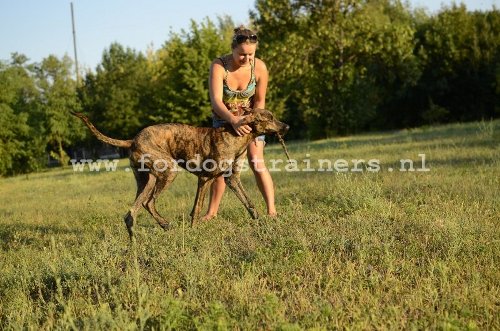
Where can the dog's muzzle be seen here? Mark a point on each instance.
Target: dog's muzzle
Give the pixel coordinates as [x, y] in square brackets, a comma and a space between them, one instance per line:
[284, 128]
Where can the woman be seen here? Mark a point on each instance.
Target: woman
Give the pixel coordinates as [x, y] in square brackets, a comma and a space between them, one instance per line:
[239, 80]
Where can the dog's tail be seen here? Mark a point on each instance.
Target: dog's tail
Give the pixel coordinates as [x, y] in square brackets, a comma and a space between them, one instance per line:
[100, 136]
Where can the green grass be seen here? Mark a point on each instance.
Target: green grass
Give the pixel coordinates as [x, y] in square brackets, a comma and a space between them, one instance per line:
[367, 250]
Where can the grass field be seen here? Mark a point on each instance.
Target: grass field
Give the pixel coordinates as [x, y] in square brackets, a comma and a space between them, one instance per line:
[355, 250]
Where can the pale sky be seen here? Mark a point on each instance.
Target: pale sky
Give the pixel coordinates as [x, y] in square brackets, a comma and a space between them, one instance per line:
[38, 28]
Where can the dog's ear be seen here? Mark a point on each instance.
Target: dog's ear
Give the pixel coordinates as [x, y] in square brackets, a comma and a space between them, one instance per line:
[247, 111]
[249, 119]
[263, 113]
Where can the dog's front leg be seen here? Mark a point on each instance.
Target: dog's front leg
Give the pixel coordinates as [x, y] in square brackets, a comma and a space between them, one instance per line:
[203, 185]
[234, 184]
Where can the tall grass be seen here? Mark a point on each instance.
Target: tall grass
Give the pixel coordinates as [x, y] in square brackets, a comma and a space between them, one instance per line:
[354, 250]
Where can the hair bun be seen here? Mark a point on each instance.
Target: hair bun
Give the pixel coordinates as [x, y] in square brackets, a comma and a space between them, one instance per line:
[239, 29]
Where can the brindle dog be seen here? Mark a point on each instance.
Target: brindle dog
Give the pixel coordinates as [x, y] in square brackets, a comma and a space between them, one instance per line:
[157, 151]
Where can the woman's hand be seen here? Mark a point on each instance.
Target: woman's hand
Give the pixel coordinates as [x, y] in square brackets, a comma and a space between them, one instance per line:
[239, 126]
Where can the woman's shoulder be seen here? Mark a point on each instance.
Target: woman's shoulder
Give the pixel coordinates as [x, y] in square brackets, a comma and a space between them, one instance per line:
[222, 60]
[218, 64]
[260, 66]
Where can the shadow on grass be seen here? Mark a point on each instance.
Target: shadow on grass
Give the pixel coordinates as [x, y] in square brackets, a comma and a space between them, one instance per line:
[423, 134]
[14, 236]
[462, 162]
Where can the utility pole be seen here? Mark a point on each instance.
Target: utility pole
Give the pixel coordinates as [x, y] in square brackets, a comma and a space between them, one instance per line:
[74, 45]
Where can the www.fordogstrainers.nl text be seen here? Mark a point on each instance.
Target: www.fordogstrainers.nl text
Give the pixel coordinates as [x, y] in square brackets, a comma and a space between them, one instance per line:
[273, 165]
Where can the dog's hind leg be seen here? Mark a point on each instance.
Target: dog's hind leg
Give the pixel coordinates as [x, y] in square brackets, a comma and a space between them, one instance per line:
[144, 191]
[141, 179]
[161, 184]
[234, 184]
[203, 185]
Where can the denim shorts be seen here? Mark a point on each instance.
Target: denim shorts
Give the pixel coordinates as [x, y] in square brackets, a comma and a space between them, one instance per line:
[216, 123]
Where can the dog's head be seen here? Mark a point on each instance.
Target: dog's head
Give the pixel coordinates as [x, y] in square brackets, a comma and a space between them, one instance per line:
[262, 121]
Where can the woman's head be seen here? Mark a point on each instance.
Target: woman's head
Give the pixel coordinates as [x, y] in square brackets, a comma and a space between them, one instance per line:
[244, 44]
[243, 35]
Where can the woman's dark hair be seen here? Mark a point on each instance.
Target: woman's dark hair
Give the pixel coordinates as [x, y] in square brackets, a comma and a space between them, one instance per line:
[242, 35]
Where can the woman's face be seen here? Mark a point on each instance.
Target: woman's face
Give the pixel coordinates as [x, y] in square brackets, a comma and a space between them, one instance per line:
[244, 53]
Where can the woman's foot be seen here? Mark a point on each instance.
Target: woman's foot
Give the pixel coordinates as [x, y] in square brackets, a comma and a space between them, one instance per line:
[208, 217]
[272, 213]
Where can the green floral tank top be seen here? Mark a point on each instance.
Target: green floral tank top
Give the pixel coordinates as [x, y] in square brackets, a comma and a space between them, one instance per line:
[237, 100]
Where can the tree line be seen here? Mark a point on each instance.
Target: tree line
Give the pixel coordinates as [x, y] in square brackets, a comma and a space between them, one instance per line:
[336, 67]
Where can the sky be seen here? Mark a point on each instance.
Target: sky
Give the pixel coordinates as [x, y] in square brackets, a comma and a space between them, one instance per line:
[39, 28]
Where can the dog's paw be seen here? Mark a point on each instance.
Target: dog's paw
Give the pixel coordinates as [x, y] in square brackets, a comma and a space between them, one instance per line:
[254, 214]
[165, 226]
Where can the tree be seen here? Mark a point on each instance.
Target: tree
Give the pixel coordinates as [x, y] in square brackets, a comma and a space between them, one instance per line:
[460, 52]
[21, 144]
[333, 61]
[116, 96]
[181, 78]
[58, 98]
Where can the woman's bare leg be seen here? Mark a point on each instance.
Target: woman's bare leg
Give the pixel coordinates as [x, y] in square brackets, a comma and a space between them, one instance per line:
[216, 192]
[262, 176]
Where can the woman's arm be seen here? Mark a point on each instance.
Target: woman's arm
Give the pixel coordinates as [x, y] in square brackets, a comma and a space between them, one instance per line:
[262, 77]
[216, 79]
